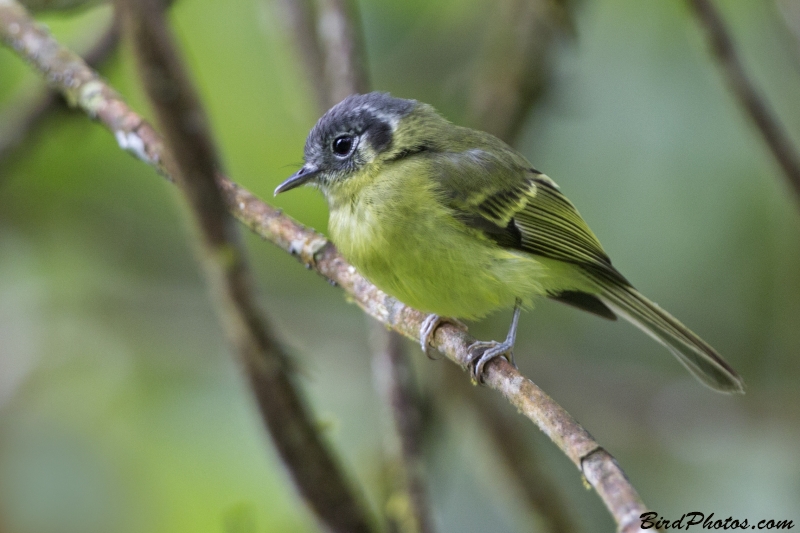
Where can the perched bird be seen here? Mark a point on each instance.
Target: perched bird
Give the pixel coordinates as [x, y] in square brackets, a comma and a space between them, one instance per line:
[454, 222]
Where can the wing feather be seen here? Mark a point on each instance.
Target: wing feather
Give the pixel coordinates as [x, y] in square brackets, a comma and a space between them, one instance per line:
[520, 208]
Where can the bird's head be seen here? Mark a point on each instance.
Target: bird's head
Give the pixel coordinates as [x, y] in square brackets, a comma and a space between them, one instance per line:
[356, 133]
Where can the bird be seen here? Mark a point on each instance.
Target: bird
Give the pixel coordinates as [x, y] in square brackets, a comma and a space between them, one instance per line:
[454, 222]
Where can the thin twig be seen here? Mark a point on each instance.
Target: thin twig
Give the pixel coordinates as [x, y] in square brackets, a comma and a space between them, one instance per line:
[752, 101]
[82, 87]
[34, 101]
[394, 378]
[194, 161]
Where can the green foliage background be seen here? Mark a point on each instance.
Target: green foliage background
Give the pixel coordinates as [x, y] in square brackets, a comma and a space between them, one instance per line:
[121, 410]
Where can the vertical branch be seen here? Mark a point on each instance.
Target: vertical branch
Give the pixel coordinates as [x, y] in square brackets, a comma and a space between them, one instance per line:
[344, 70]
[191, 156]
[339, 29]
[334, 61]
[327, 35]
[300, 19]
[513, 68]
[394, 377]
[513, 74]
[750, 99]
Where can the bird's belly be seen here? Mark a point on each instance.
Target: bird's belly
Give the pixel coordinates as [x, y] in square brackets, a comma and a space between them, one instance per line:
[434, 265]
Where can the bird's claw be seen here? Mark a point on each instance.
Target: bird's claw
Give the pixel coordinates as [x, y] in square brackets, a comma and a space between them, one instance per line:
[481, 352]
[429, 326]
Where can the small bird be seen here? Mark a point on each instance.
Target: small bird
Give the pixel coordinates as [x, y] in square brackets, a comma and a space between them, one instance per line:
[454, 222]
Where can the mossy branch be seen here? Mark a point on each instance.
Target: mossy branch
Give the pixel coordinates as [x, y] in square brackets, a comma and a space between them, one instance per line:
[84, 89]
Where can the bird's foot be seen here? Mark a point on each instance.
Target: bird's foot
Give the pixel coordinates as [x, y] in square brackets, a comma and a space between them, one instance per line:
[481, 352]
[429, 326]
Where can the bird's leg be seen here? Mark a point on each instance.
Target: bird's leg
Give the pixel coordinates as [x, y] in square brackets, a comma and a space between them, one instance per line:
[429, 326]
[482, 352]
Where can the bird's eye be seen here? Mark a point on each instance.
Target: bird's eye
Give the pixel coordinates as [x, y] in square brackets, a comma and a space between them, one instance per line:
[342, 145]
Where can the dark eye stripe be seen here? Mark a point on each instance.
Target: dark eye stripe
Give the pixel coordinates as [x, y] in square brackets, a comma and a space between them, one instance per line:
[380, 135]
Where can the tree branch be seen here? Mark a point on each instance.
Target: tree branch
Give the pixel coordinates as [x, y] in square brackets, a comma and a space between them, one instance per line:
[344, 72]
[34, 101]
[336, 70]
[512, 70]
[752, 101]
[299, 17]
[193, 161]
[327, 36]
[513, 73]
[338, 27]
[394, 377]
[516, 453]
[84, 89]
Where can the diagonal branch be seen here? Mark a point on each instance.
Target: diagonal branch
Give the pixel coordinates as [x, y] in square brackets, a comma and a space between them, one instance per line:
[296, 436]
[516, 454]
[84, 89]
[31, 103]
[752, 101]
[195, 165]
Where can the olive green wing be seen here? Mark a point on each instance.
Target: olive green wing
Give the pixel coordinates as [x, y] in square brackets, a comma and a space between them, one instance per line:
[550, 226]
[520, 208]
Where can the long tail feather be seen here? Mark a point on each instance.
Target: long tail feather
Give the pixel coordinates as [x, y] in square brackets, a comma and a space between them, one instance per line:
[700, 358]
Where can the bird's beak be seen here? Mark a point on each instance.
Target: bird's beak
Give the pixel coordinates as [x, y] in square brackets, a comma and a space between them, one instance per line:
[306, 173]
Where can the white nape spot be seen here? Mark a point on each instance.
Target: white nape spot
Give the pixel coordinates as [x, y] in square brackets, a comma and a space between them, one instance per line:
[132, 143]
[392, 120]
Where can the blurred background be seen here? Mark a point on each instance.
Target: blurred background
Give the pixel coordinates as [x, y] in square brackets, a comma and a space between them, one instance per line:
[121, 409]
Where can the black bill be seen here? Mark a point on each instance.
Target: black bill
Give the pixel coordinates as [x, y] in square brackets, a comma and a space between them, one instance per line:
[304, 175]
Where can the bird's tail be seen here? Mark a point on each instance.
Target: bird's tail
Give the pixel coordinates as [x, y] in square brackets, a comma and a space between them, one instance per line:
[700, 358]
